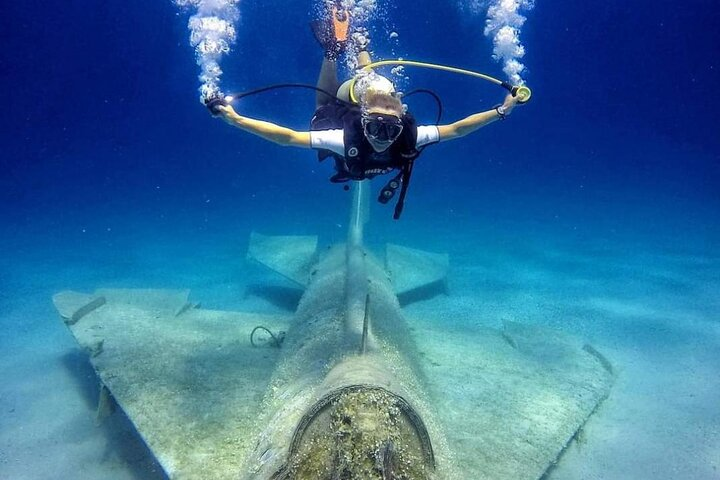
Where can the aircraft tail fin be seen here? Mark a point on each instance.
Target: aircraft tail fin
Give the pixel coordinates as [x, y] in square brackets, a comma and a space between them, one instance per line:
[291, 256]
[416, 272]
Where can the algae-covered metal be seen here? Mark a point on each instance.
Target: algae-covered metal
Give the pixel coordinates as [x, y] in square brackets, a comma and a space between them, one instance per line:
[356, 391]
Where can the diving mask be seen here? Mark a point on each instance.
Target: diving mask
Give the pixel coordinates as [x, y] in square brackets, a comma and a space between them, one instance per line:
[382, 127]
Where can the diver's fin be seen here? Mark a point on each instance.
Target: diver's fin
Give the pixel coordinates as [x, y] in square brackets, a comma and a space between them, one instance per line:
[416, 272]
[291, 256]
[332, 31]
[341, 23]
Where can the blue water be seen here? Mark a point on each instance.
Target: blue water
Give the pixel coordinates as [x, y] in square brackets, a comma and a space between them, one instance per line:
[113, 174]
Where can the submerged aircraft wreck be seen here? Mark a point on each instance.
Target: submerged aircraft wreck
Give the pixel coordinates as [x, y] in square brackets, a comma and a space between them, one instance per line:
[356, 391]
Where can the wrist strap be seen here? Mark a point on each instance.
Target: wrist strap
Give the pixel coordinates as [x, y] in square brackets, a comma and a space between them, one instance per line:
[502, 115]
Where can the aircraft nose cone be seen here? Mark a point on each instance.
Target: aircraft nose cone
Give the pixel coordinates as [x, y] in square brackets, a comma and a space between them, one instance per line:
[361, 432]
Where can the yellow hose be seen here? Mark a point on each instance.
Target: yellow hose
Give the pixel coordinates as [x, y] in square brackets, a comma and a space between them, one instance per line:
[433, 66]
[522, 91]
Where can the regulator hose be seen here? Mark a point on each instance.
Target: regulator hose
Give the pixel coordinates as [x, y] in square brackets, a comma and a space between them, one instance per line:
[237, 96]
[516, 90]
[276, 340]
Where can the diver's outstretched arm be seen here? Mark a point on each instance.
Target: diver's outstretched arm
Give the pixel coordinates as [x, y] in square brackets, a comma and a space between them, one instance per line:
[473, 122]
[267, 130]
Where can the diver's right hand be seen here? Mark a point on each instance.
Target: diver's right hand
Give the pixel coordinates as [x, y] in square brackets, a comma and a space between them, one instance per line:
[217, 105]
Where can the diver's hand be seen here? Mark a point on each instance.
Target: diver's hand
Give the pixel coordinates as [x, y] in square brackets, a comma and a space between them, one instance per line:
[510, 103]
[217, 105]
[227, 111]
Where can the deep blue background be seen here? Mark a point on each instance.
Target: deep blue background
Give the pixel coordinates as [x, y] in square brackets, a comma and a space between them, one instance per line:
[100, 115]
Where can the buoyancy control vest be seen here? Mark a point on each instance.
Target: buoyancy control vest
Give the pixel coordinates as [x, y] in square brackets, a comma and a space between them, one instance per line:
[360, 161]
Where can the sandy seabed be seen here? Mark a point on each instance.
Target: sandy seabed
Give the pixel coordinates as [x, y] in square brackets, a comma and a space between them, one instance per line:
[651, 308]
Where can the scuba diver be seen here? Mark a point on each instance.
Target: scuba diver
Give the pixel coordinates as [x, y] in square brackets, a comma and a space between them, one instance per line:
[361, 123]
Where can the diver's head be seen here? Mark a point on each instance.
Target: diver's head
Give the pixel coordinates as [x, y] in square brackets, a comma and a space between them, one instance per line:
[382, 114]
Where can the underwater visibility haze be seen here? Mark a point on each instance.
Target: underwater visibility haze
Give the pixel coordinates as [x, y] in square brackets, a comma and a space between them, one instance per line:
[547, 304]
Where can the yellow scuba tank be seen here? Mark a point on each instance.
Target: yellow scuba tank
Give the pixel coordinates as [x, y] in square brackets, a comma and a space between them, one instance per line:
[354, 89]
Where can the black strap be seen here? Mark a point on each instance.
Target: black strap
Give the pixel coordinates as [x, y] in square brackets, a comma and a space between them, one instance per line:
[406, 174]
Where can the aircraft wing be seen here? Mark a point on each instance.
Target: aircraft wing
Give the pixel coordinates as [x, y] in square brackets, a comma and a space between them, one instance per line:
[510, 400]
[188, 378]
